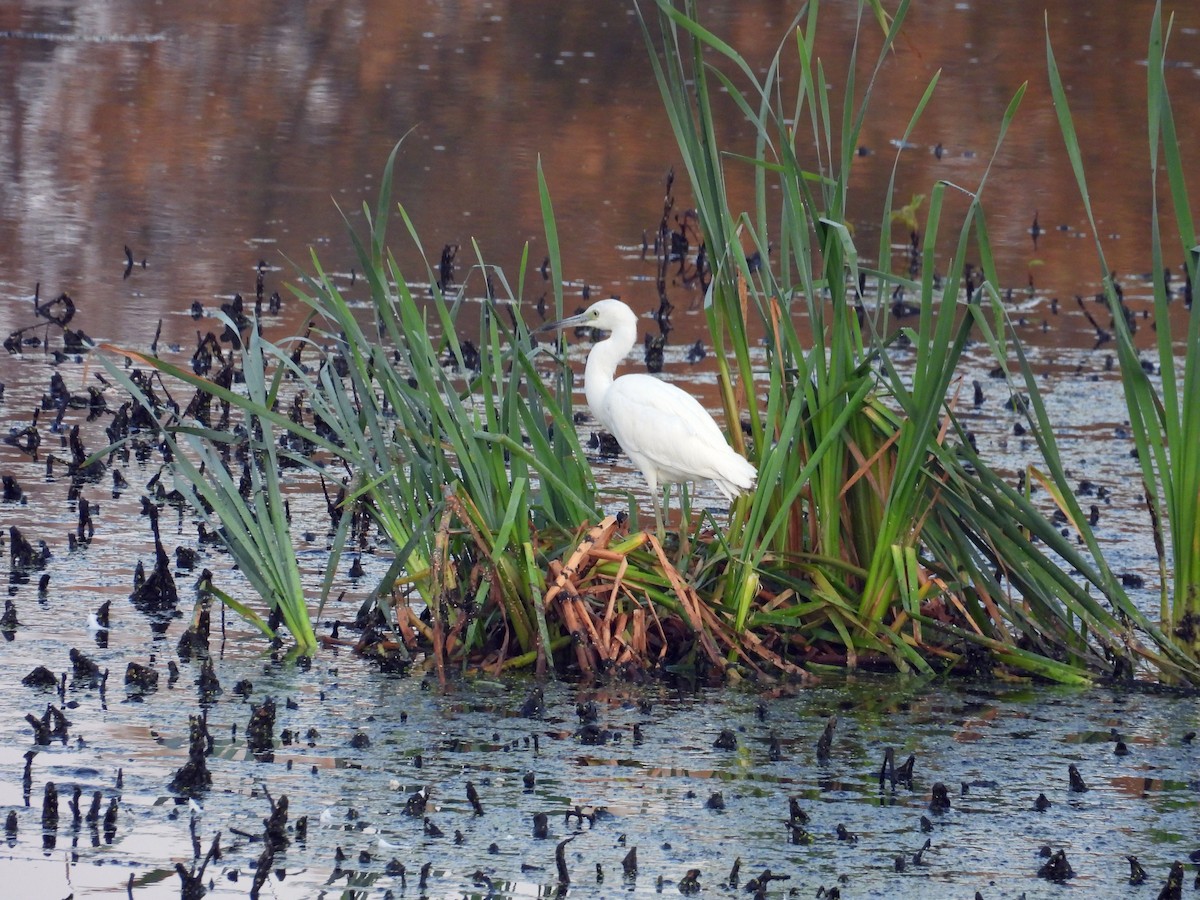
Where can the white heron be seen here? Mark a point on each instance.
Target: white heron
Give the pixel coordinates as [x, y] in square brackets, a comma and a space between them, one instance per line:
[663, 429]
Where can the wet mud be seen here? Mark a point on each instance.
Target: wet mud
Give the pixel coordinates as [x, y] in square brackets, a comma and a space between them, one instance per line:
[358, 783]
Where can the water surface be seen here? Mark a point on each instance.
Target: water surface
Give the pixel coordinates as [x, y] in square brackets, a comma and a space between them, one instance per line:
[208, 137]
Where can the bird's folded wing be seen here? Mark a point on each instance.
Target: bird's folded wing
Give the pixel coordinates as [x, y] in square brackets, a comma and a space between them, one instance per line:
[666, 426]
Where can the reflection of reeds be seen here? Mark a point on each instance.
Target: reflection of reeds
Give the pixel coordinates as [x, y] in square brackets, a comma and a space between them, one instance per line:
[876, 531]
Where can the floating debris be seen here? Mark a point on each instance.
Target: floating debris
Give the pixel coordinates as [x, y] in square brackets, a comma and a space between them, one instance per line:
[193, 777]
[260, 732]
[1057, 868]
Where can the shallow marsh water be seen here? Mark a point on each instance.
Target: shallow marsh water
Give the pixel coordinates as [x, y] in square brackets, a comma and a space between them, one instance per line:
[209, 137]
[995, 747]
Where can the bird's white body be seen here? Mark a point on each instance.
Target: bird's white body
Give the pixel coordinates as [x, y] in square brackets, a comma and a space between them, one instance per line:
[665, 430]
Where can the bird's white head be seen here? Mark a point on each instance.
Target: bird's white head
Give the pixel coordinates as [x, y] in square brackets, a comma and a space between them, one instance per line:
[605, 315]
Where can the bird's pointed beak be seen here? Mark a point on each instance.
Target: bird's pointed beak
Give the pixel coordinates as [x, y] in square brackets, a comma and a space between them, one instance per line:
[577, 321]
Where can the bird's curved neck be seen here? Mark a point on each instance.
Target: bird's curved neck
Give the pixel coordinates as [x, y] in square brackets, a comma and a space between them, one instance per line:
[603, 360]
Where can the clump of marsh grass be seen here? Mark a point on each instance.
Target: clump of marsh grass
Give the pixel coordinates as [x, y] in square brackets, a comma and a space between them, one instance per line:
[249, 511]
[469, 472]
[876, 533]
[1165, 421]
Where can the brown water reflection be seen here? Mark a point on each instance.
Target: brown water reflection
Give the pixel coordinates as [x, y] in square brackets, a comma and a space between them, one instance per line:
[208, 136]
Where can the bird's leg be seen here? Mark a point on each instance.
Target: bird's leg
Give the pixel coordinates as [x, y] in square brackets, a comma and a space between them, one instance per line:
[656, 498]
[662, 511]
[685, 521]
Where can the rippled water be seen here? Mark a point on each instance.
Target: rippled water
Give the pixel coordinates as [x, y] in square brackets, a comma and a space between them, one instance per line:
[207, 137]
[995, 747]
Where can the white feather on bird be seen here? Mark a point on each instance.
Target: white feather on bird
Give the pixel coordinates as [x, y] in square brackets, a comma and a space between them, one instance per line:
[665, 431]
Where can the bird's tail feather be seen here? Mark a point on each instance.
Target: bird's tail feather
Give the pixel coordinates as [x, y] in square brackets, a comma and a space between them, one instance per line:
[737, 477]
